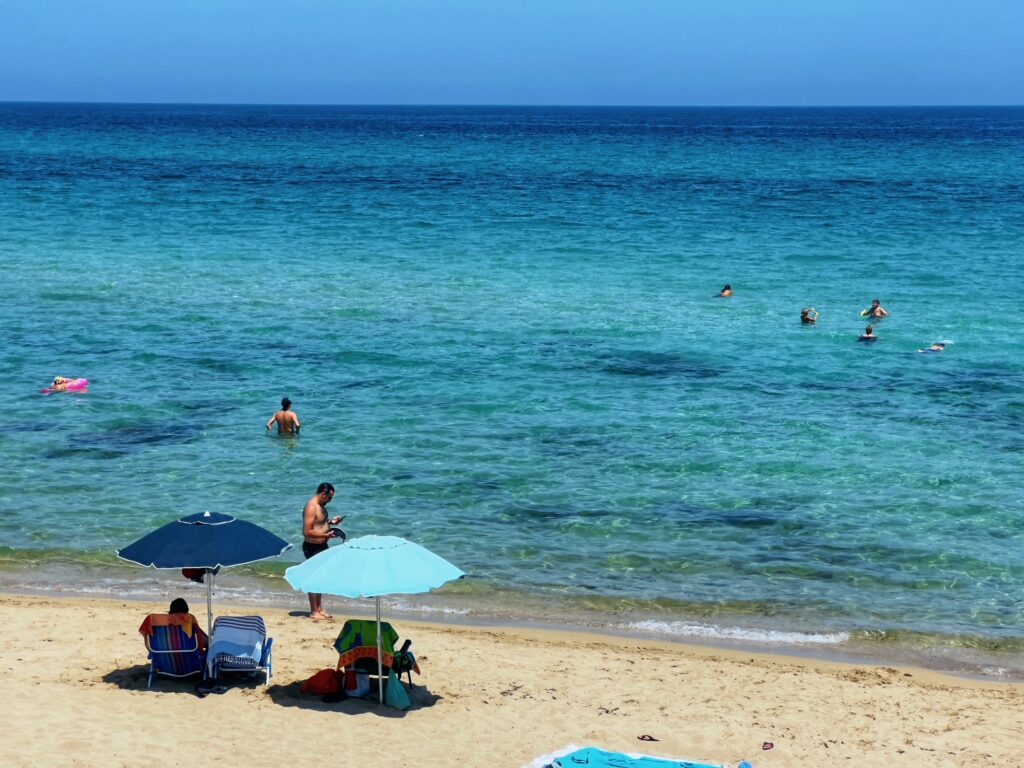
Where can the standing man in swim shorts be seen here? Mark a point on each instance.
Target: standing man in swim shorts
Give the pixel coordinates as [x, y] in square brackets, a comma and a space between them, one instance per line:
[287, 420]
[316, 532]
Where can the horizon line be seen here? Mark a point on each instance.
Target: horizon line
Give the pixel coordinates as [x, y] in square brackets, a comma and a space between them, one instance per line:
[501, 106]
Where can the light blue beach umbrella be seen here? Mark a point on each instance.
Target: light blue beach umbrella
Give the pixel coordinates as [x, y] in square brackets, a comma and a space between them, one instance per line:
[373, 566]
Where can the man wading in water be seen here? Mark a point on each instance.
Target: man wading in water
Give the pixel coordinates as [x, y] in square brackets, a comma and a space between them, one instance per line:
[316, 532]
[287, 420]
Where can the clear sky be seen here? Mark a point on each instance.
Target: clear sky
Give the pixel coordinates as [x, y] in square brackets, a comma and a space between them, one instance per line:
[629, 52]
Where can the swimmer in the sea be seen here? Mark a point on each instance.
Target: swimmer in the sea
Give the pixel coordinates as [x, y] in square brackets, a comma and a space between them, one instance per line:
[726, 292]
[809, 316]
[868, 335]
[60, 383]
[286, 419]
[938, 346]
[877, 310]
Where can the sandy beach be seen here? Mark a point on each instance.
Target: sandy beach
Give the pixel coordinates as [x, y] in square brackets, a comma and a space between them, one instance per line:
[75, 695]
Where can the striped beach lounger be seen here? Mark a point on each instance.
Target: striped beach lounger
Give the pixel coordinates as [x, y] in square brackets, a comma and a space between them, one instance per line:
[240, 644]
[174, 651]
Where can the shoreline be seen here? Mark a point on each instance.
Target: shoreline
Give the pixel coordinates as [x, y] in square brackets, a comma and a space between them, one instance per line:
[562, 632]
[498, 694]
[147, 585]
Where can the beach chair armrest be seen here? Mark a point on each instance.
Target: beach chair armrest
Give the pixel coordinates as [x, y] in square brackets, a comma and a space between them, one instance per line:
[267, 648]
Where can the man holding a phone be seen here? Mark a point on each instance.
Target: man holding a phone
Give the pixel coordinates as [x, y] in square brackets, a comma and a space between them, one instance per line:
[316, 533]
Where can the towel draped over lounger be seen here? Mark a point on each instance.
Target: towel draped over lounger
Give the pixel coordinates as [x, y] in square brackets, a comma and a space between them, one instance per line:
[358, 640]
[237, 642]
[186, 621]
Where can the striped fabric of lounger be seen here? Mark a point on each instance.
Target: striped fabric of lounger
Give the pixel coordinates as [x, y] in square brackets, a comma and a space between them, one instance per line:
[239, 644]
[172, 652]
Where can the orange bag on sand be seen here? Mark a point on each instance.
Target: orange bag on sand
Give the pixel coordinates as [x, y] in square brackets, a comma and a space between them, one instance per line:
[326, 682]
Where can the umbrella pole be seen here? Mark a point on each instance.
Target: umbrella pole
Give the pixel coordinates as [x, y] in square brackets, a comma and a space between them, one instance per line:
[380, 660]
[209, 603]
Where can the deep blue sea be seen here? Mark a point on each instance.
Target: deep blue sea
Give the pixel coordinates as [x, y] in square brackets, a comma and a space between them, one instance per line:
[499, 329]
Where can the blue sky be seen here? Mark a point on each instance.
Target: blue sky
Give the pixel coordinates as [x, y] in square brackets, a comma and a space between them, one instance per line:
[641, 52]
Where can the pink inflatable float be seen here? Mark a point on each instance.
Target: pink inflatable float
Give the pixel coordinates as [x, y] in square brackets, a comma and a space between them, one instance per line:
[61, 384]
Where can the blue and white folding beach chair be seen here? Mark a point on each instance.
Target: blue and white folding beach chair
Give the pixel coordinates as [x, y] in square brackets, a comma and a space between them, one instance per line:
[239, 644]
[173, 652]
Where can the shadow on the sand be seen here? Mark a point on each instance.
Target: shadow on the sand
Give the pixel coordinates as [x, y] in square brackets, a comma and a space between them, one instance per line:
[290, 696]
[135, 679]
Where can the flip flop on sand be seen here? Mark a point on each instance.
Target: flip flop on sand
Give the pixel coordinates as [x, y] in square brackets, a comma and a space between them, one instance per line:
[204, 689]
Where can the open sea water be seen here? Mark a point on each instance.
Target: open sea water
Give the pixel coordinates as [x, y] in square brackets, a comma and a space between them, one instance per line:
[499, 331]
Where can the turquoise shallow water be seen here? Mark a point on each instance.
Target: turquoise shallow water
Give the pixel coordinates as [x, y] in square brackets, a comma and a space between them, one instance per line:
[498, 330]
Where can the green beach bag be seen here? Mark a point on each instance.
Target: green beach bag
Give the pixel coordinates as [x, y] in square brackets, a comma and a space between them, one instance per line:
[395, 695]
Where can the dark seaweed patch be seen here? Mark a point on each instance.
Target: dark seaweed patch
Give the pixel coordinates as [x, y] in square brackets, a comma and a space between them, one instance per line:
[655, 365]
[80, 452]
[360, 384]
[568, 443]
[765, 513]
[539, 513]
[206, 408]
[218, 365]
[138, 435]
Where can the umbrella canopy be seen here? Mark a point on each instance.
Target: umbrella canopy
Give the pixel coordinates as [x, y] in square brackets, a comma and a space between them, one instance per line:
[207, 540]
[204, 540]
[371, 566]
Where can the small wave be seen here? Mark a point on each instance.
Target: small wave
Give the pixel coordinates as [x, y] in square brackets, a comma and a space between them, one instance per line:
[404, 607]
[995, 671]
[768, 636]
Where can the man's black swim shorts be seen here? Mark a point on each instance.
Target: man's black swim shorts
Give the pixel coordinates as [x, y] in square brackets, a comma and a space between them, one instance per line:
[312, 549]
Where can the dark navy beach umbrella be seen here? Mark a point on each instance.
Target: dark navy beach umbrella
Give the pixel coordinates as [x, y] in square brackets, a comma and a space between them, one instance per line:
[209, 541]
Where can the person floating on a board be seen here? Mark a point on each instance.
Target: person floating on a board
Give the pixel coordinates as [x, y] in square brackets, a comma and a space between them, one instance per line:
[66, 384]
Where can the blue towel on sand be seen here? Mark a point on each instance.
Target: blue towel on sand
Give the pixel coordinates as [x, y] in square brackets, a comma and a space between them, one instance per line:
[598, 758]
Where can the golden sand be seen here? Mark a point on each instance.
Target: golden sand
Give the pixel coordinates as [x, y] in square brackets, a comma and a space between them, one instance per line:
[74, 692]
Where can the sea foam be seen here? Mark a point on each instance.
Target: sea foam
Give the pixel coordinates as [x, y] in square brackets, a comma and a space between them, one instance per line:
[742, 634]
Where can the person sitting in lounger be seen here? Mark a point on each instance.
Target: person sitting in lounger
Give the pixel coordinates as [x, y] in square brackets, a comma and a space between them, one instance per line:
[179, 608]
